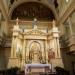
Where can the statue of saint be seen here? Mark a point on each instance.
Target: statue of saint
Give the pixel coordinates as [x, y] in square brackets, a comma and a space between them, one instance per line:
[51, 55]
[35, 53]
[35, 23]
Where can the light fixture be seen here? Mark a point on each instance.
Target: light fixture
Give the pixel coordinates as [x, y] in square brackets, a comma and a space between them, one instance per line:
[67, 0]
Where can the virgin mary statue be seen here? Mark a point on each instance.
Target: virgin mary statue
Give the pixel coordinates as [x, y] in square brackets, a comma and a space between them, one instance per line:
[34, 52]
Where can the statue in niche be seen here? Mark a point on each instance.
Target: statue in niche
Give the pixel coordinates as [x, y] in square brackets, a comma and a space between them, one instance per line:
[35, 53]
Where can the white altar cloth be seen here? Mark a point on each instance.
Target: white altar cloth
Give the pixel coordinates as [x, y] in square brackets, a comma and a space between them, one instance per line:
[37, 65]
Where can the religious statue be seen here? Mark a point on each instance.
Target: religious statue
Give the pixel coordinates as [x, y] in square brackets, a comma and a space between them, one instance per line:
[35, 23]
[51, 55]
[35, 53]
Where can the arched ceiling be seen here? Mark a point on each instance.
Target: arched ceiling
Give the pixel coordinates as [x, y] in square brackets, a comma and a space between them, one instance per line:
[44, 3]
[30, 10]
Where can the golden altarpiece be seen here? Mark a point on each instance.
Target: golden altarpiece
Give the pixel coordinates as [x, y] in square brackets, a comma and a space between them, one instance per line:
[31, 46]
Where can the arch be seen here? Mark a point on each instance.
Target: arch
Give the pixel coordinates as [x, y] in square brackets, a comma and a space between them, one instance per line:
[37, 47]
[17, 3]
[35, 53]
[37, 41]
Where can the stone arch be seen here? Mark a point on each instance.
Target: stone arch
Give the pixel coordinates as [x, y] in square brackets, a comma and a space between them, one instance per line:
[17, 3]
[37, 45]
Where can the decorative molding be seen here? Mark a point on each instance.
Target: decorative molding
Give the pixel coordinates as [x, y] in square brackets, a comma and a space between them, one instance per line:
[35, 32]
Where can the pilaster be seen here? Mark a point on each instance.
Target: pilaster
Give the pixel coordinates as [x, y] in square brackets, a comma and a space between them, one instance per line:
[46, 49]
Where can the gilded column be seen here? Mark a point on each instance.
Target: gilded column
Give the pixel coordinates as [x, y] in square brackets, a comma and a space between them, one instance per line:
[13, 61]
[24, 50]
[13, 47]
[15, 38]
[27, 51]
[46, 48]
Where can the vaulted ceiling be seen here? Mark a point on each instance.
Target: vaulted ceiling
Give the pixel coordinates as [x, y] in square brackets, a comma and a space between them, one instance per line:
[50, 1]
[42, 9]
[30, 10]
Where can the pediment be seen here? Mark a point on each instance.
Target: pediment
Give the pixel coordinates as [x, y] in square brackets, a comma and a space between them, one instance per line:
[35, 32]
